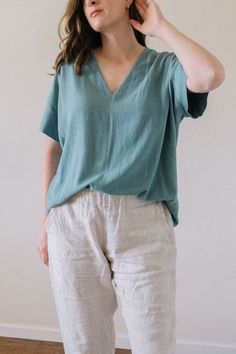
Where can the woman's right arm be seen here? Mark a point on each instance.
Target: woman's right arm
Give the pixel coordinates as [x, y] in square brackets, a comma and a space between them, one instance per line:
[52, 154]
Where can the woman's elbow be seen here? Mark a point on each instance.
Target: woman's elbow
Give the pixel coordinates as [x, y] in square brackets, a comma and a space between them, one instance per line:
[217, 77]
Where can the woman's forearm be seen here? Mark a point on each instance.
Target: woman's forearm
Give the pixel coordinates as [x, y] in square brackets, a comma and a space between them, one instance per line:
[204, 71]
[50, 164]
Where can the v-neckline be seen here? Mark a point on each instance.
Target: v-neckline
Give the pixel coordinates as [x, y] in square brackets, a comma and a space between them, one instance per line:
[107, 89]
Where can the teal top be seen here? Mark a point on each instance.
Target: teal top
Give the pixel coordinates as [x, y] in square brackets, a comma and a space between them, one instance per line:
[121, 143]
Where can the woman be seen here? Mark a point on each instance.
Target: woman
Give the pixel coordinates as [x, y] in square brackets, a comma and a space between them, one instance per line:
[112, 120]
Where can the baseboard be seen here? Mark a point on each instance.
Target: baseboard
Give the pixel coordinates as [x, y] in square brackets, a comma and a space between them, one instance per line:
[30, 332]
[122, 341]
[187, 347]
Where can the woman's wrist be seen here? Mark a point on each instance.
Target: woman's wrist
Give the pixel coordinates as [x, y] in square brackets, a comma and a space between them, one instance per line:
[163, 30]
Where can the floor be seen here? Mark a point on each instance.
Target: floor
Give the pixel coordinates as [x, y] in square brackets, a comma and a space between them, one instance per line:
[9, 345]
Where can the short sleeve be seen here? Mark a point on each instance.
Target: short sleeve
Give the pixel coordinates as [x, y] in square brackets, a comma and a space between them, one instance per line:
[185, 103]
[49, 121]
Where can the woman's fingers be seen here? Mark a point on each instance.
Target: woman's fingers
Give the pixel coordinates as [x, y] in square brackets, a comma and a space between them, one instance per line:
[140, 9]
[42, 248]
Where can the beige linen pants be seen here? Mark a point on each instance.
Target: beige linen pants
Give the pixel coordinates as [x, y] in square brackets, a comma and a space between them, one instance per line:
[107, 251]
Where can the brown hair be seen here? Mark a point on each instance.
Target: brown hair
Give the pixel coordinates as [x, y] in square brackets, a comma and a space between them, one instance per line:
[81, 38]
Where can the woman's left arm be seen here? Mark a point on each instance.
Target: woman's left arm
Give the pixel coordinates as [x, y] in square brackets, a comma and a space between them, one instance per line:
[204, 71]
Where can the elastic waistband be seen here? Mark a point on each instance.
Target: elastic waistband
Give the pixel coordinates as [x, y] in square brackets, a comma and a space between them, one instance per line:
[107, 200]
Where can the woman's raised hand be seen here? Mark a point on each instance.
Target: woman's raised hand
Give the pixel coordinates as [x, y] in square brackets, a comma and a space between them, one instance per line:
[152, 16]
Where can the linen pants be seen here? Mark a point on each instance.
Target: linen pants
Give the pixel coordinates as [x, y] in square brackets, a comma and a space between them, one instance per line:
[107, 251]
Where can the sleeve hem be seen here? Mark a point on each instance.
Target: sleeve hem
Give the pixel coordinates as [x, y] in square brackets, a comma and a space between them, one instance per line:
[194, 103]
[50, 134]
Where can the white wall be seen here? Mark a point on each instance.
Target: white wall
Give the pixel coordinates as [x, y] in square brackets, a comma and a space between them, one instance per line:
[206, 269]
